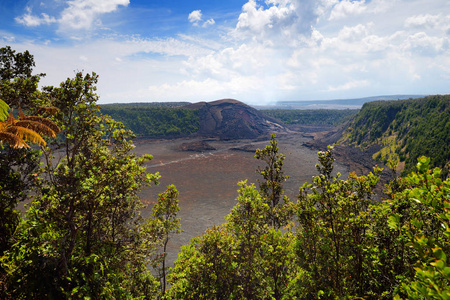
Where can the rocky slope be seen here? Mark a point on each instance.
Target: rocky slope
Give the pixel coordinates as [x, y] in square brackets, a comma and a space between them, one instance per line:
[232, 119]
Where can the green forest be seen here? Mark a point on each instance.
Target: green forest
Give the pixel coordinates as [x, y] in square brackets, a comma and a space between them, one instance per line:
[82, 236]
[406, 130]
[331, 117]
[155, 119]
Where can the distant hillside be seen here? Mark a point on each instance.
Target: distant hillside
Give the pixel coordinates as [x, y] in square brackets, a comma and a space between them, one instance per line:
[146, 104]
[336, 103]
[311, 117]
[403, 130]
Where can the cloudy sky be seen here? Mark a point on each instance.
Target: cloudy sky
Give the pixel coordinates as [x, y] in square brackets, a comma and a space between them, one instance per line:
[254, 51]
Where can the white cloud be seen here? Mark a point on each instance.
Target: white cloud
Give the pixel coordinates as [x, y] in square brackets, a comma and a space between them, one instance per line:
[282, 19]
[351, 41]
[428, 21]
[209, 22]
[424, 21]
[276, 49]
[352, 34]
[195, 16]
[426, 45]
[293, 49]
[347, 8]
[79, 14]
[242, 87]
[349, 85]
[229, 63]
[202, 42]
[31, 21]
[6, 38]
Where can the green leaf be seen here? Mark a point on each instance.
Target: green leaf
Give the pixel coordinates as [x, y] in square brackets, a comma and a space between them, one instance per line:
[439, 254]
[393, 221]
[438, 264]
[416, 200]
[3, 110]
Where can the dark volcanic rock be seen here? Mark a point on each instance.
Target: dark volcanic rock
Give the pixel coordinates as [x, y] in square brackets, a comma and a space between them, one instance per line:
[232, 119]
[198, 146]
[246, 148]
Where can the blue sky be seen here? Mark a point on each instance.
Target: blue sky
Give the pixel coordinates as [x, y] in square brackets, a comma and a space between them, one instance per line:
[254, 51]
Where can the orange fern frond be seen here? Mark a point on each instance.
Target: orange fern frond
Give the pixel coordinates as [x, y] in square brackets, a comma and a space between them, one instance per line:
[44, 121]
[13, 140]
[10, 119]
[36, 126]
[21, 114]
[26, 134]
[27, 128]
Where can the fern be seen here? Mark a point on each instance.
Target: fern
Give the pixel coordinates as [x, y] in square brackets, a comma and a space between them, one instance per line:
[3, 110]
[16, 132]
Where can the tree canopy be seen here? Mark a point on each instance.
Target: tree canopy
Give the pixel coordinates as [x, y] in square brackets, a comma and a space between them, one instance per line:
[82, 235]
[155, 120]
[329, 117]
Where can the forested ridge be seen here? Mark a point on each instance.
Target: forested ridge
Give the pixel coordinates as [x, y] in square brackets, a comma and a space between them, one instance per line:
[404, 130]
[154, 119]
[311, 117]
[82, 236]
[145, 104]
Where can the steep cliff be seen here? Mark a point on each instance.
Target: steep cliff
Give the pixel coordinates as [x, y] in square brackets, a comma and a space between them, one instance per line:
[403, 130]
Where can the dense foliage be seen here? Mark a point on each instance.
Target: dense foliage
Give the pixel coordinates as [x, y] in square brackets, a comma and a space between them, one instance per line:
[346, 244]
[311, 117]
[82, 236]
[18, 166]
[154, 121]
[405, 130]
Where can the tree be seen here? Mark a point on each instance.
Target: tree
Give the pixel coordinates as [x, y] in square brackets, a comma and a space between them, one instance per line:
[271, 188]
[165, 222]
[205, 268]
[333, 230]
[81, 236]
[14, 65]
[19, 168]
[236, 247]
[420, 216]
[18, 86]
[248, 224]
[18, 90]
